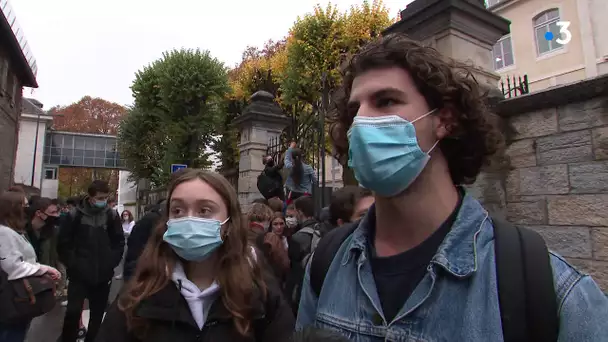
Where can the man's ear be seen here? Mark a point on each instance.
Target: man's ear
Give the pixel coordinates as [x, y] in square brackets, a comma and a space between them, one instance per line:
[444, 123]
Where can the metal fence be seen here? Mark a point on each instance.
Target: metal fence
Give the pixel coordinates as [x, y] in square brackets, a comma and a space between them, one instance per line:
[514, 87]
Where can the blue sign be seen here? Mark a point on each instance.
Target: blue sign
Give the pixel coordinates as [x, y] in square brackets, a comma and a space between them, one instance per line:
[176, 167]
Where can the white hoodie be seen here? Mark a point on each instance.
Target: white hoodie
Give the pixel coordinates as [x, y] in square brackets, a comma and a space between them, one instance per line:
[199, 301]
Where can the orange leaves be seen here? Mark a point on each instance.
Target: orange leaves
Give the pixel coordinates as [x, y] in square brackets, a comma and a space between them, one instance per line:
[89, 115]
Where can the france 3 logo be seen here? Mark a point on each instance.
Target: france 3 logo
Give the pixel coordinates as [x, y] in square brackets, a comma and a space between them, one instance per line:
[564, 37]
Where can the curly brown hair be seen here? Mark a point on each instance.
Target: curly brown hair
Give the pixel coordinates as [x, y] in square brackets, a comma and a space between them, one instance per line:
[445, 84]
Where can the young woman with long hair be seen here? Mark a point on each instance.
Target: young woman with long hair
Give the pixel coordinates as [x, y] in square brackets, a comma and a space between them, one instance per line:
[301, 176]
[198, 278]
[17, 256]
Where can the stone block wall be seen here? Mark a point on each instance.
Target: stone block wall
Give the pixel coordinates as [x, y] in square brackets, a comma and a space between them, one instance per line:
[557, 183]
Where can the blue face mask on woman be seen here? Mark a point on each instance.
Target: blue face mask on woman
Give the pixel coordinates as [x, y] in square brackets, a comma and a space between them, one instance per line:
[384, 153]
[194, 238]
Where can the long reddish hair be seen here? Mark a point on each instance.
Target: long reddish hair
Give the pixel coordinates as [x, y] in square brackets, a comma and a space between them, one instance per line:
[240, 279]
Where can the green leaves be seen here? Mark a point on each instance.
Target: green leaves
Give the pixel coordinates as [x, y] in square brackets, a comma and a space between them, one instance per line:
[178, 105]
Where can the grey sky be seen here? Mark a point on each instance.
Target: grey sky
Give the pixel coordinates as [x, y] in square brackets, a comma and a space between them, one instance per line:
[94, 48]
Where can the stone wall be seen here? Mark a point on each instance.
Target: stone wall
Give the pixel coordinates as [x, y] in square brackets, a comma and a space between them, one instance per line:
[10, 109]
[557, 183]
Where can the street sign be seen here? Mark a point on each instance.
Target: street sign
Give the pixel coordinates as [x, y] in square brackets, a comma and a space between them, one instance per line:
[176, 167]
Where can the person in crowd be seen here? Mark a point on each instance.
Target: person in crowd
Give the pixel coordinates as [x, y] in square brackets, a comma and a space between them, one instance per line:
[41, 228]
[90, 245]
[276, 204]
[278, 227]
[301, 246]
[291, 220]
[17, 257]
[70, 204]
[259, 218]
[112, 204]
[127, 222]
[349, 204]
[260, 201]
[270, 181]
[127, 225]
[140, 233]
[415, 127]
[198, 278]
[301, 176]
[275, 248]
[311, 334]
[18, 189]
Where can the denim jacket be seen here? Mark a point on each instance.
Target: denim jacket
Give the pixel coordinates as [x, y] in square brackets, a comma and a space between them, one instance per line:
[309, 178]
[457, 299]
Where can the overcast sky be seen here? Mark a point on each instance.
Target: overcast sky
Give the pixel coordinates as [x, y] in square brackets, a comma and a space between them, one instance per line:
[94, 48]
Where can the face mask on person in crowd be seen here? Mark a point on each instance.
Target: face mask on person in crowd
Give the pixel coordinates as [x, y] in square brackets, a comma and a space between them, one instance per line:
[194, 238]
[51, 220]
[100, 204]
[384, 153]
[291, 222]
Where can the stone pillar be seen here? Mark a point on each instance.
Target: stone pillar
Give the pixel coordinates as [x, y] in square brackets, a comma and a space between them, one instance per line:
[261, 120]
[461, 29]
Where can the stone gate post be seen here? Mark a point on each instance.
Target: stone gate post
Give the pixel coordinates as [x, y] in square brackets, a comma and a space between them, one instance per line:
[461, 29]
[261, 120]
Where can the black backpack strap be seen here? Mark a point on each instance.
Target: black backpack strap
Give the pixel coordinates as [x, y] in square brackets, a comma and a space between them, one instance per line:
[526, 291]
[325, 252]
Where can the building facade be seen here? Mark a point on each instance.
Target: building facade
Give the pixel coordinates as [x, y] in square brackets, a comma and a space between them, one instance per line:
[17, 70]
[553, 42]
[29, 168]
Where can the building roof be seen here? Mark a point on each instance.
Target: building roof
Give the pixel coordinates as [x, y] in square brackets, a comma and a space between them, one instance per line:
[12, 35]
[31, 106]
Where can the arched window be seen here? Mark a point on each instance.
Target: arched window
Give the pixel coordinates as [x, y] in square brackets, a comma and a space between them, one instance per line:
[543, 23]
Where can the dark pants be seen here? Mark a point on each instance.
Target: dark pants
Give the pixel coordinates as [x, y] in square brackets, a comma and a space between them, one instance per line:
[13, 332]
[98, 300]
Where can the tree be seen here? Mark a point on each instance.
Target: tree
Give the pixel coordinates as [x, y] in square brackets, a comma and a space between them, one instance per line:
[317, 45]
[88, 115]
[179, 102]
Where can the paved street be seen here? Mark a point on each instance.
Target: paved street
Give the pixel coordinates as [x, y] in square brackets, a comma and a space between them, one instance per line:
[47, 328]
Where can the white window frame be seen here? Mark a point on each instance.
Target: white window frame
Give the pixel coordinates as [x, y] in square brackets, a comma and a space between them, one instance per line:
[52, 169]
[491, 3]
[545, 24]
[502, 53]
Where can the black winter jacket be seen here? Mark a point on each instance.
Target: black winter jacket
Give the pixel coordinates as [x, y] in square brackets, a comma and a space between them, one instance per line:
[138, 238]
[91, 243]
[170, 320]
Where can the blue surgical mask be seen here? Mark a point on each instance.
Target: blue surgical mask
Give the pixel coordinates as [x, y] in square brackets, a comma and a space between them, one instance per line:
[384, 153]
[194, 238]
[100, 204]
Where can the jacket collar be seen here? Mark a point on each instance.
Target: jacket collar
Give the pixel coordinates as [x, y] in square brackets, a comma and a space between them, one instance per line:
[169, 305]
[457, 254]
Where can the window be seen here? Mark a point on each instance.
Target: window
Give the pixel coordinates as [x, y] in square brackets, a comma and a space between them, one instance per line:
[543, 23]
[50, 173]
[3, 75]
[490, 3]
[502, 53]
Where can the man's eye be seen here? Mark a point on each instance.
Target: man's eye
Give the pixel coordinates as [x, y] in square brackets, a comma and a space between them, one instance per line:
[385, 102]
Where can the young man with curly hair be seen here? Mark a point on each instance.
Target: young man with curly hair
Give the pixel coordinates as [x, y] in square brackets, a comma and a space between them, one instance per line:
[421, 266]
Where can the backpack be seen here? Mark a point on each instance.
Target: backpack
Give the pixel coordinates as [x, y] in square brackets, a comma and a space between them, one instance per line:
[315, 234]
[526, 292]
[267, 185]
[76, 215]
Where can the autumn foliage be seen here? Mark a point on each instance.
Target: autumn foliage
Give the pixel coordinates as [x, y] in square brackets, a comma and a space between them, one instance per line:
[317, 44]
[89, 115]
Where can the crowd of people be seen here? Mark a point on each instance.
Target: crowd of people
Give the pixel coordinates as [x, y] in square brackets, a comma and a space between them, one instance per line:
[409, 255]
